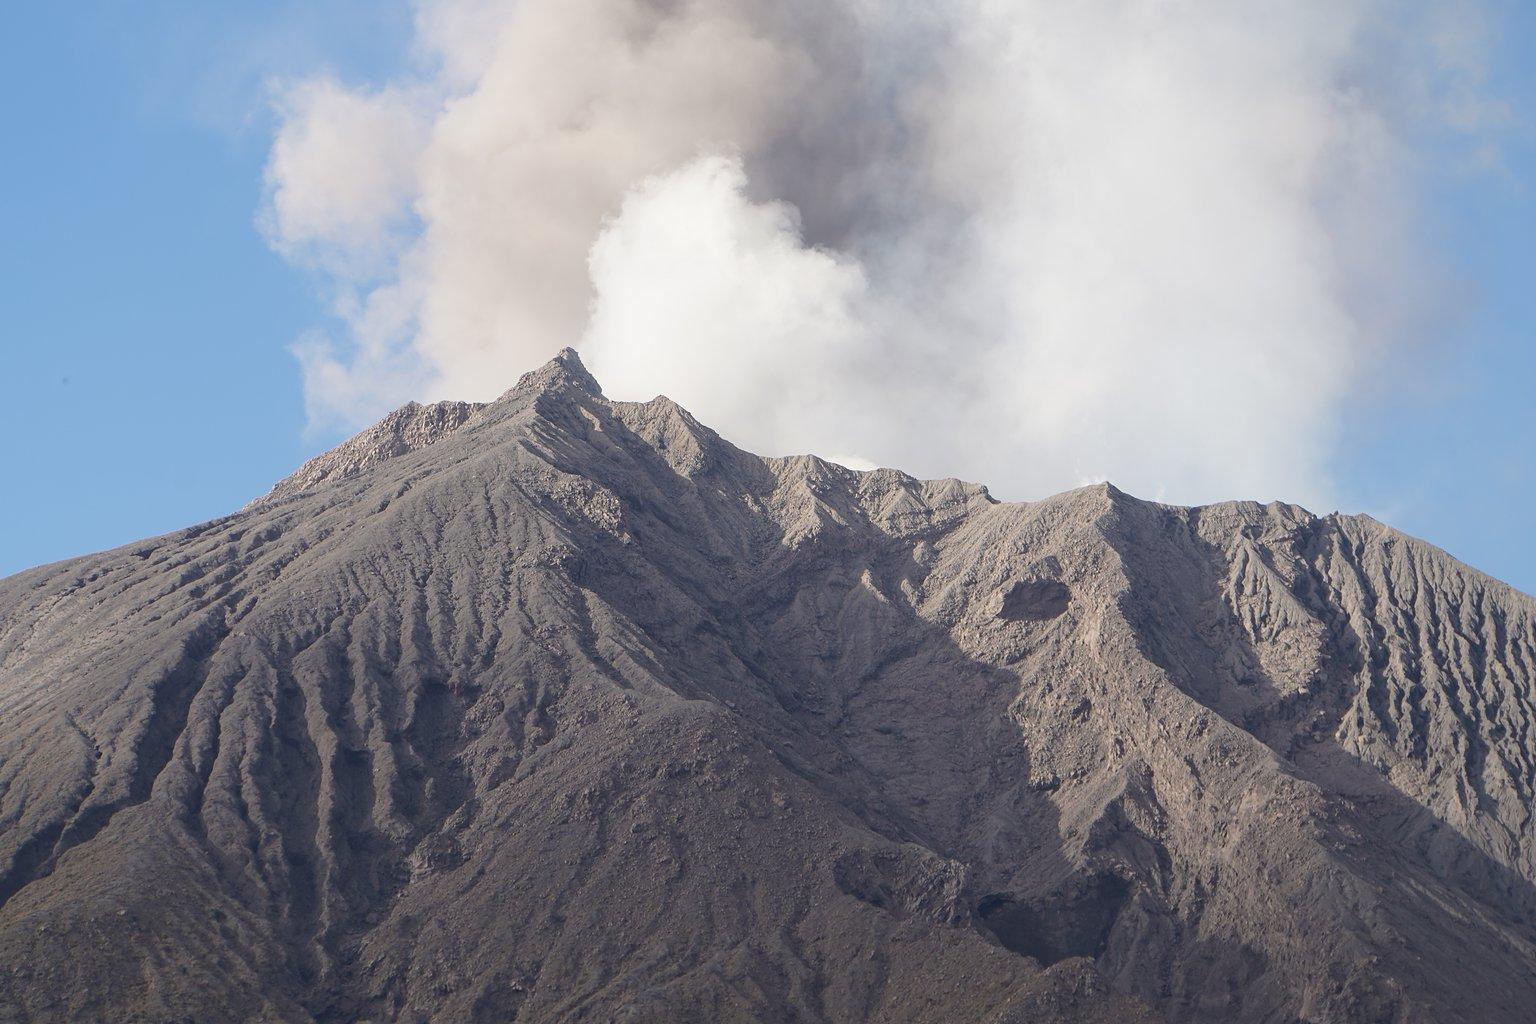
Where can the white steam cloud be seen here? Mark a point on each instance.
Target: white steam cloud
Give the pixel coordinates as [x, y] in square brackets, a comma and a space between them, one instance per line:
[1032, 243]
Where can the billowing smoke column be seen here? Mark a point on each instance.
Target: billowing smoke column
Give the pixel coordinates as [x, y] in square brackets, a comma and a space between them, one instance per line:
[1029, 242]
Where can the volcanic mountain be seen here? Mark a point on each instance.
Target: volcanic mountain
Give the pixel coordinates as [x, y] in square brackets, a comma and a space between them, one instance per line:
[564, 709]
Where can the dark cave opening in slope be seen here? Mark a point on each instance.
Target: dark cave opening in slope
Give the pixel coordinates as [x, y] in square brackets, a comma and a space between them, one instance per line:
[1071, 924]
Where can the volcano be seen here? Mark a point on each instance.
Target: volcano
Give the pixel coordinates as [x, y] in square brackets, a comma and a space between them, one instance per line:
[565, 709]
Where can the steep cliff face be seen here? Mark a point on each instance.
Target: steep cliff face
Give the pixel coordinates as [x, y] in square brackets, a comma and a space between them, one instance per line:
[577, 712]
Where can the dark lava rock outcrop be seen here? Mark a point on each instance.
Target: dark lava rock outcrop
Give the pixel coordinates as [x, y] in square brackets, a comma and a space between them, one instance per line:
[564, 709]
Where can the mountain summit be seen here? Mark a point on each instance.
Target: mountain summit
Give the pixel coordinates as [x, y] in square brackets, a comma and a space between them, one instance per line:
[563, 709]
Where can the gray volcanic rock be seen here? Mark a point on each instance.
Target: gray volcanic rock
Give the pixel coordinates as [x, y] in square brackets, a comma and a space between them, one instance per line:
[565, 709]
[411, 427]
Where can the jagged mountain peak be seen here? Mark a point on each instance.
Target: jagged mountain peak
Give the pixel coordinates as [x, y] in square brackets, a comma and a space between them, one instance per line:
[565, 370]
[415, 426]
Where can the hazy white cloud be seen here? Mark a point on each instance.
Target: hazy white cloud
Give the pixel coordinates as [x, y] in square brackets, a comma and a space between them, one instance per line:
[1158, 281]
[1028, 242]
[343, 172]
[758, 334]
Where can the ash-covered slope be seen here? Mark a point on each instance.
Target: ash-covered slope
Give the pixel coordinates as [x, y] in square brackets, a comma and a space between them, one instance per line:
[578, 713]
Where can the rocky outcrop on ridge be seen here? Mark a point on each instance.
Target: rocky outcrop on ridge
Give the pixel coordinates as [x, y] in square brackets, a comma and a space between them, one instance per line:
[409, 428]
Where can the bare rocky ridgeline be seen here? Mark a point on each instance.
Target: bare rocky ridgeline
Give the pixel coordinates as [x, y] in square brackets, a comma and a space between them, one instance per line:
[563, 709]
[408, 428]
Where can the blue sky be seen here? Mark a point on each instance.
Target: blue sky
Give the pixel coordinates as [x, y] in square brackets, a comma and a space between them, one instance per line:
[148, 383]
[1451, 456]
[148, 380]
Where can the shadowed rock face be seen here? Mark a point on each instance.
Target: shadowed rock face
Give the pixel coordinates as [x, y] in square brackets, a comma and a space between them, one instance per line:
[563, 709]
[1034, 600]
